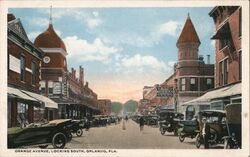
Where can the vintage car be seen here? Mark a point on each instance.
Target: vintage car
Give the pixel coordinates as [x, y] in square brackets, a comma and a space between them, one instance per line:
[55, 132]
[188, 128]
[216, 120]
[169, 121]
[233, 122]
[152, 120]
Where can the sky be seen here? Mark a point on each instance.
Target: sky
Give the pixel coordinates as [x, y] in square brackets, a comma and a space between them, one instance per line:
[121, 49]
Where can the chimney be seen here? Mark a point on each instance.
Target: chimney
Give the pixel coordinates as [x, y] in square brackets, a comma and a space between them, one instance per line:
[87, 84]
[81, 80]
[208, 59]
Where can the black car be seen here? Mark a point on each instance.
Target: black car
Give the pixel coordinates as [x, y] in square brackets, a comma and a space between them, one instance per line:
[56, 132]
[169, 121]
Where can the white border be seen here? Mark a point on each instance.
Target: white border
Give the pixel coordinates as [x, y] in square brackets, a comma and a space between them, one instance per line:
[115, 3]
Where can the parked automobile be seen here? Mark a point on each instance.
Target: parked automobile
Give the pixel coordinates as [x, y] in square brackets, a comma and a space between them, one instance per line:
[56, 132]
[169, 121]
[188, 128]
[152, 120]
[233, 122]
[76, 127]
[216, 119]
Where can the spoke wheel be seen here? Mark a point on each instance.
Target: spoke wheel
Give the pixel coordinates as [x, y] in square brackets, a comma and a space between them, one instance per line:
[198, 141]
[181, 137]
[59, 141]
[79, 132]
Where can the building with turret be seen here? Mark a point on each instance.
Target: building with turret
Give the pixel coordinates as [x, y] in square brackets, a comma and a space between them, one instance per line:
[193, 76]
[75, 100]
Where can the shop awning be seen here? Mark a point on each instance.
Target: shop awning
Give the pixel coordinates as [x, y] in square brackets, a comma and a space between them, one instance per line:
[47, 101]
[16, 93]
[222, 31]
[227, 91]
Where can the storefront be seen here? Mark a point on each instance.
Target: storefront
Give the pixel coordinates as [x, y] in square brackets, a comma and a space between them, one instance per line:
[23, 106]
[216, 99]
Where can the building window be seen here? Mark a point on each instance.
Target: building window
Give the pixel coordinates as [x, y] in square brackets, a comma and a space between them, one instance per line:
[209, 83]
[226, 71]
[220, 74]
[42, 87]
[240, 65]
[22, 113]
[193, 86]
[33, 75]
[223, 43]
[240, 20]
[22, 74]
[50, 87]
[183, 84]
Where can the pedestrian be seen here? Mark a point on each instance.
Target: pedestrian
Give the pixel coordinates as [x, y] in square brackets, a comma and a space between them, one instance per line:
[205, 133]
[141, 123]
[126, 118]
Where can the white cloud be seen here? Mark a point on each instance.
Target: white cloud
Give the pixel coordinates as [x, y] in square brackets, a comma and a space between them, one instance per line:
[93, 23]
[169, 28]
[83, 50]
[92, 20]
[95, 13]
[139, 61]
[33, 35]
[171, 63]
[155, 35]
[39, 22]
[213, 43]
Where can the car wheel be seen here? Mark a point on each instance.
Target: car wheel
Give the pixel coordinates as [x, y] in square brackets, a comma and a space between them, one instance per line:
[181, 137]
[198, 141]
[79, 132]
[162, 131]
[43, 146]
[59, 141]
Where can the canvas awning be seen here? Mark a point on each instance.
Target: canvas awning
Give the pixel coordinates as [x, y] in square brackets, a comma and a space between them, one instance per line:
[47, 101]
[16, 93]
[227, 91]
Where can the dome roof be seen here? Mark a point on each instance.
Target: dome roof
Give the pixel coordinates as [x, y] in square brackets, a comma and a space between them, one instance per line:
[49, 39]
[188, 33]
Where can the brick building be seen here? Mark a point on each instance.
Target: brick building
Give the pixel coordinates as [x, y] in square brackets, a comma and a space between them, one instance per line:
[75, 100]
[192, 77]
[24, 74]
[105, 106]
[228, 63]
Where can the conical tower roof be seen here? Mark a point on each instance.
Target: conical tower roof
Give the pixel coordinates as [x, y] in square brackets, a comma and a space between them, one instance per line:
[188, 33]
[49, 39]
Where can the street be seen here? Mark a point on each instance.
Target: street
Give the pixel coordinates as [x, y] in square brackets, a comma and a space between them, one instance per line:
[114, 137]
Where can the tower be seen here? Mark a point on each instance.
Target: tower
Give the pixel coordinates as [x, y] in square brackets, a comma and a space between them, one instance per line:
[188, 47]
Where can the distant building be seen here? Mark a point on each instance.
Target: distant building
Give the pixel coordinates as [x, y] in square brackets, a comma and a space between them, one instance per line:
[24, 74]
[105, 106]
[228, 59]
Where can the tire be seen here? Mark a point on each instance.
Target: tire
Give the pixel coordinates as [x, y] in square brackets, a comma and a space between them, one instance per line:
[43, 146]
[162, 131]
[198, 141]
[59, 141]
[213, 136]
[79, 132]
[181, 138]
[226, 144]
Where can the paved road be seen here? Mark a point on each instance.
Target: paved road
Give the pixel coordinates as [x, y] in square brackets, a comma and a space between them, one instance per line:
[114, 137]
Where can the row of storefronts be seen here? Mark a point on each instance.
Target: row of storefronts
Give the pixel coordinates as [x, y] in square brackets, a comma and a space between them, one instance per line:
[40, 87]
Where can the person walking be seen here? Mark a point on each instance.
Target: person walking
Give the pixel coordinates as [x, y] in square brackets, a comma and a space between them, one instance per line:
[141, 123]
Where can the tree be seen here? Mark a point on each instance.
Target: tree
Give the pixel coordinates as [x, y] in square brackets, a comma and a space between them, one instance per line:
[130, 106]
[116, 107]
